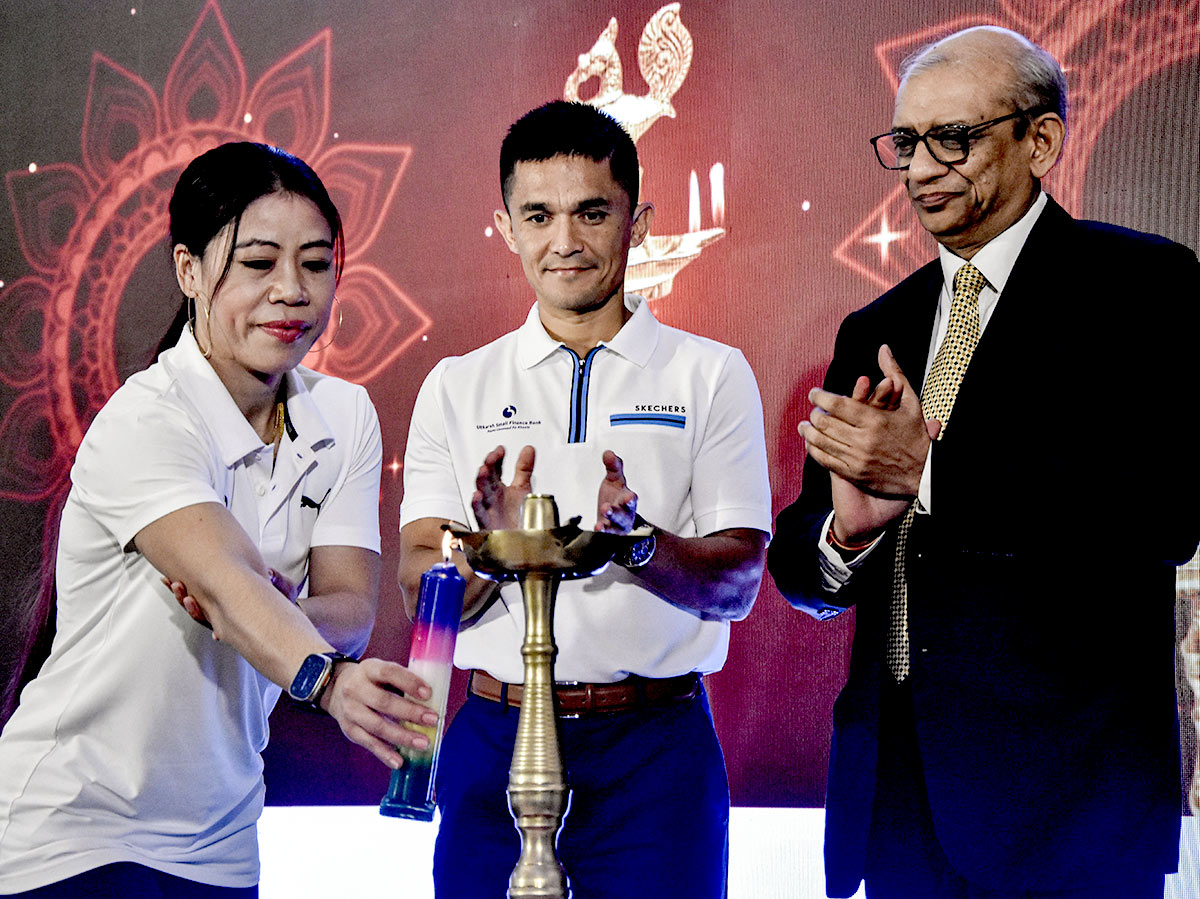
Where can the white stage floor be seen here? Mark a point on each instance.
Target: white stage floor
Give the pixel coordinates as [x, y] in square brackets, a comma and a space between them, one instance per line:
[774, 854]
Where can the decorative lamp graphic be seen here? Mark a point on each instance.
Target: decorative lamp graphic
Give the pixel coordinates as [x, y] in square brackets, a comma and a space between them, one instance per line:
[539, 555]
[664, 57]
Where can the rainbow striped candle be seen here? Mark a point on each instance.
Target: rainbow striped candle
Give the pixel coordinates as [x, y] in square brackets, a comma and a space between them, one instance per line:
[439, 608]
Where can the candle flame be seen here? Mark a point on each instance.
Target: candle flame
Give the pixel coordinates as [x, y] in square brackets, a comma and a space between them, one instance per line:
[447, 545]
[716, 184]
[693, 202]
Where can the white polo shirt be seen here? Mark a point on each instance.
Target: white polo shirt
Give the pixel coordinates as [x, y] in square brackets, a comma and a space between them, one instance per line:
[684, 414]
[139, 740]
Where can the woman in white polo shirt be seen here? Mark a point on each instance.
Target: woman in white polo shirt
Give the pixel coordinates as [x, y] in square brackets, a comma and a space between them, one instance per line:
[131, 766]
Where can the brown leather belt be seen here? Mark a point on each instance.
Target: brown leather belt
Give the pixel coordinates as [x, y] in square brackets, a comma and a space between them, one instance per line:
[573, 700]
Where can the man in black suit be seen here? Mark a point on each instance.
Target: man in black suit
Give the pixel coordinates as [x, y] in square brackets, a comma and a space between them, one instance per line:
[998, 479]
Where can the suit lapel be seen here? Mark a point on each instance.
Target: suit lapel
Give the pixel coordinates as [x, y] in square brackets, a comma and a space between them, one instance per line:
[1027, 287]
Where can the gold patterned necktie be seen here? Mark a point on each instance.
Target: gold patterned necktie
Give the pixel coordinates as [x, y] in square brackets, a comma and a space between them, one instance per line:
[937, 401]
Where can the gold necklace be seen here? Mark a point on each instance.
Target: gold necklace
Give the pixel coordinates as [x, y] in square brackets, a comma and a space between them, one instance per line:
[279, 414]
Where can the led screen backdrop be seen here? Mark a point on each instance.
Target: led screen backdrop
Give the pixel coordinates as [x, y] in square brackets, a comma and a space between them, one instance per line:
[773, 222]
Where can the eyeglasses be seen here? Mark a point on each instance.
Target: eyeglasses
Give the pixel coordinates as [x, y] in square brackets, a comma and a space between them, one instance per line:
[947, 144]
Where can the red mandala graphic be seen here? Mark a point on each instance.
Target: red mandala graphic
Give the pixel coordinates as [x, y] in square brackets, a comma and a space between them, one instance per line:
[1107, 48]
[84, 229]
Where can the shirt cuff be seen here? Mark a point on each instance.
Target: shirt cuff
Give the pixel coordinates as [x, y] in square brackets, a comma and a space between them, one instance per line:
[836, 571]
[925, 488]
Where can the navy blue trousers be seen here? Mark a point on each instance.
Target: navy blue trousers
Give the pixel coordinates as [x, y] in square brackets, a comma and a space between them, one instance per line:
[649, 811]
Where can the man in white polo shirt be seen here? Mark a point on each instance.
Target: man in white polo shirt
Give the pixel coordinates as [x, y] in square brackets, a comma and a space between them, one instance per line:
[602, 400]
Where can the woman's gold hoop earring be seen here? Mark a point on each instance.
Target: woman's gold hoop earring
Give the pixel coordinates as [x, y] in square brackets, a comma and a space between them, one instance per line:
[336, 331]
[191, 313]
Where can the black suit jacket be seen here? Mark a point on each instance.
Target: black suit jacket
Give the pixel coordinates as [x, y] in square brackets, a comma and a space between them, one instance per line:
[1064, 492]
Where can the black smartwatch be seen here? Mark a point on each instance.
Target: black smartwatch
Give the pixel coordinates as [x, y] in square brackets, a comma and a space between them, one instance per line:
[315, 674]
[639, 554]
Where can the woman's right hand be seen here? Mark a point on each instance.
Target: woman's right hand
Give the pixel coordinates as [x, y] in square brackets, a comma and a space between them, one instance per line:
[369, 700]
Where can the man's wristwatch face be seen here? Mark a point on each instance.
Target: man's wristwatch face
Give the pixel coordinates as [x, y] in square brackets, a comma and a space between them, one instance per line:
[311, 677]
[640, 554]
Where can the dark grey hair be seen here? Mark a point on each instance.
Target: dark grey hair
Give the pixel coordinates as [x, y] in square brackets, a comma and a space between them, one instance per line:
[1038, 81]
